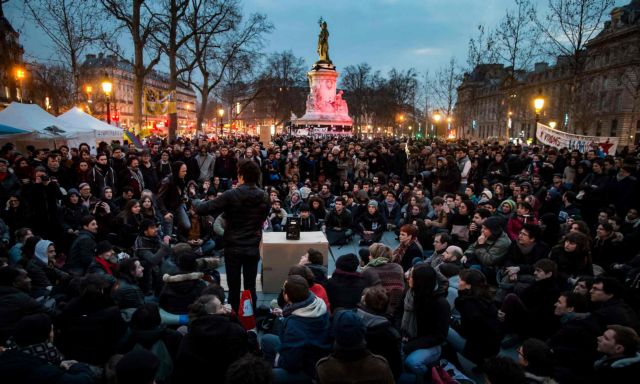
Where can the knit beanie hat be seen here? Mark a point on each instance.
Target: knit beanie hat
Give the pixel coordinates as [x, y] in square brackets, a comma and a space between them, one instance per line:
[373, 203]
[136, 367]
[103, 246]
[348, 330]
[40, 252]
[73, 191]
[493, 224]
[347, 263]
[487, 193]
[510, 203]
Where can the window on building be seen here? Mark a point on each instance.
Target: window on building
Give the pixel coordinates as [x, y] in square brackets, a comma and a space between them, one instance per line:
[614, 128]
[7, 93]
[605, 82]
[618, 102]
[601, 101]
[599, 128]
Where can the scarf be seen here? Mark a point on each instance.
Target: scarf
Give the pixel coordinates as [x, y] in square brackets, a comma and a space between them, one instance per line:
[398, 253]
[390, 205]
[105, 264]
[409, 325]
[525, 250]
[46, 351]
[378, 261]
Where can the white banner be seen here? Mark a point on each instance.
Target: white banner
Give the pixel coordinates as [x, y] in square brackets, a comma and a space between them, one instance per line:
[558, 139]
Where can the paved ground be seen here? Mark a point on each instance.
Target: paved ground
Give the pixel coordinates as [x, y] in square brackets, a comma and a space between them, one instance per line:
[389, 238]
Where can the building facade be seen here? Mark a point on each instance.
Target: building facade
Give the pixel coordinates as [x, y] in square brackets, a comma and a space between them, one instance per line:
[97, 68]
[496, 103]
[11, 83]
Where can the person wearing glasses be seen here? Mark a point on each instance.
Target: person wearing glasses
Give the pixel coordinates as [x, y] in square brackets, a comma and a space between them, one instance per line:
[606, 294]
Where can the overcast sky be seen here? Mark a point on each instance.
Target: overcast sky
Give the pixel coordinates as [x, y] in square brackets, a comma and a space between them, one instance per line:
[420, 34]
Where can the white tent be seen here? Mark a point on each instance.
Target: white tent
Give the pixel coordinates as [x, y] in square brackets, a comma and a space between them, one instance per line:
[77, 119]
[44, 127]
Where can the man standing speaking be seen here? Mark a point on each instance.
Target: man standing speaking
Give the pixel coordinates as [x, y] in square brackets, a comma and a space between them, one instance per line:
[245, 209]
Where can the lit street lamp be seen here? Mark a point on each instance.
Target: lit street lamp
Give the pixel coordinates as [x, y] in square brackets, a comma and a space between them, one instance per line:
[107, 87]
[89, 90]
[437, 117]
[20, 75]
[220, 114]
[552, 124]
[538, 104]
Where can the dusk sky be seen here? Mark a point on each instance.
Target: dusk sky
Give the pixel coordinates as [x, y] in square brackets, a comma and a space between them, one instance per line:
[423, 34]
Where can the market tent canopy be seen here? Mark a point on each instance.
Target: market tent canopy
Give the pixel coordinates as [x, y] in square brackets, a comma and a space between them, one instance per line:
[75, 118]
[8, 130]
[42, 126]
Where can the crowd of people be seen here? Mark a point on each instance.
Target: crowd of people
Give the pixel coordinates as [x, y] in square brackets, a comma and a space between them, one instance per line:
[109, 262]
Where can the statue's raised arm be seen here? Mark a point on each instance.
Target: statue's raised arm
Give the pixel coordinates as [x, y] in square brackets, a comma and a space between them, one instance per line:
[323, 42]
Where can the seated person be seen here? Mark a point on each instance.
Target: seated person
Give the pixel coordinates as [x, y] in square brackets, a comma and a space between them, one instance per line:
[277, 216]
[313, 259]
[345, 286]
[621, 360]
[308, 222]
[370, 225]
[338, 224]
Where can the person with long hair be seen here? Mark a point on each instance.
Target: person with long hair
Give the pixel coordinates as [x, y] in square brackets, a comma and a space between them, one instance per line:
[172, 196]
[425, 321]
[127, 293]
[409, 248]
[573, 257]
[129, 220]
[477, 334]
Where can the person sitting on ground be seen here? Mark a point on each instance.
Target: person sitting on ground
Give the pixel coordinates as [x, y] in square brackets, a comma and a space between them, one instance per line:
[151, 251]
[351, 361]
[425, 321]
[137, 367]
[371, 224]
[106, 262]
[537, 359]
[621, 360]
[345, 286]
[277, 216]
[477, 334]
[530, 312]
[503, 370]
[314, 288]
[127, 293]
[379, 270]
[35, 359]
[213, 342]
[338, 223]
[183, 288]
[313, 259]
[82, 249]
[489, 251]
[610, 308]
[390, 211]
[574, 344]
[308, 221]
[409, 250]
[15, 301]
[249, 369]
[303, 336]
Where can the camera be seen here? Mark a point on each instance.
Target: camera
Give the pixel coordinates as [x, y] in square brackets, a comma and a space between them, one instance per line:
[44, 178]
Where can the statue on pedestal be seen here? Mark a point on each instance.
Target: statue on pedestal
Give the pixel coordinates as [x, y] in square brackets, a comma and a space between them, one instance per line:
[323, 42]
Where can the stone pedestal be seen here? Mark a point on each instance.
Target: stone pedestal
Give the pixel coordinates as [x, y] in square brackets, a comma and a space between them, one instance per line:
[325, 108]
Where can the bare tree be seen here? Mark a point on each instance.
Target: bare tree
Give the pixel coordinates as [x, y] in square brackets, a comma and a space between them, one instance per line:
[282, 83]
[481, 49]
[567, 26]
[71, 26]
[515, 36]
[139, 20]
[53, 81]
[445, 88]
[219, 44]
[356, 82]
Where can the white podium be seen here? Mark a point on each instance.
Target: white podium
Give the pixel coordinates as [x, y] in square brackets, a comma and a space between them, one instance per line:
[279, 254]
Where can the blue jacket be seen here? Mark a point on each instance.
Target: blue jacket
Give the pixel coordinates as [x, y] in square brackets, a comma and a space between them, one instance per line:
[304, 336]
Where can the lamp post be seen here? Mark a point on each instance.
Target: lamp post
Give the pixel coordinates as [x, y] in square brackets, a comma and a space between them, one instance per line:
[552, 124]
[89, 90]
[107, 87]
[538, 104]
[448, 126]
[20, 75]
[220, 114]
[437, 117]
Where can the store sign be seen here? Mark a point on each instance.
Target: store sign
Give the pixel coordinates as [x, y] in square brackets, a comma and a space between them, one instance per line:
[558, 139]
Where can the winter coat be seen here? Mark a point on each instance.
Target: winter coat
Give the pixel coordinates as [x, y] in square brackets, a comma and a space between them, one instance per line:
[354, 366]
[81, 253]
[345, 289]
[433, 324]
[492, 252]
[14, 305]
[516, 258]
[382, 339]
[243, 230]
[304, 336]
[128, 294]
[617, 369]
[213, 343]
[571, 264]
[539, 299]
[89, 328]
[615, 311]
[479, 325]
[391, 277]
[18, 367]
[575, 347]
[180, 291]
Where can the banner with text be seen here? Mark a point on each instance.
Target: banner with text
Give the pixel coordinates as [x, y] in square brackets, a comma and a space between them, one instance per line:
[549, 136]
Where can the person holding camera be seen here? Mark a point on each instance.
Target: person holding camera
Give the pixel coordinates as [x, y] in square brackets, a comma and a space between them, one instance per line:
[524, 215]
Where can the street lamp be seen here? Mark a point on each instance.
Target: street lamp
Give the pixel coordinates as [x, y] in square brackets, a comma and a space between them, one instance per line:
[552, 124]
[107, 87]
[437, 117]
[88, 89]
[220, 114]
[20, 75]
[538, 104]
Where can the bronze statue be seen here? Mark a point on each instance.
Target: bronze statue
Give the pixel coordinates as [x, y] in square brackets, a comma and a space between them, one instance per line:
[323, 42]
